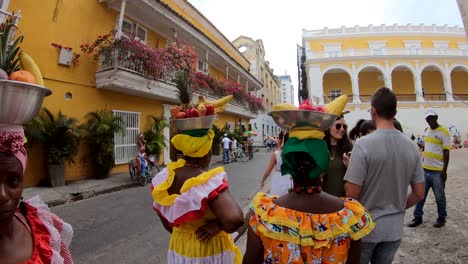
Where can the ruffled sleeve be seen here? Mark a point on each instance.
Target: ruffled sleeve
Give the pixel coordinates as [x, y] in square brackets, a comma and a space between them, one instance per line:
[52, 236]
[194, 195]
[305, 229]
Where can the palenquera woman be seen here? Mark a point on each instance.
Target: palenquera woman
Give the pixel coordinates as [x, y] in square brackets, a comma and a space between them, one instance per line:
[29, 232]
[194, 203]
[307, 225]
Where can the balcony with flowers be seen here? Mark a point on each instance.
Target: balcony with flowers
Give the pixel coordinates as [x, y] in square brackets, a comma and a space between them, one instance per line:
[127, 65]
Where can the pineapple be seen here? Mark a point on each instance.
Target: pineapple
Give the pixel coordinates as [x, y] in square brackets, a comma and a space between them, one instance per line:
[9, 61]
[183, 83]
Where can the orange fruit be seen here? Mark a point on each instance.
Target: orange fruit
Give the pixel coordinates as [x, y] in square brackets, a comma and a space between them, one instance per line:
[23, 76]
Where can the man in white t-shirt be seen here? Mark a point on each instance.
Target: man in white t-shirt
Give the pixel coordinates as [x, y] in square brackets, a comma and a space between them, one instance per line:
[226, 142]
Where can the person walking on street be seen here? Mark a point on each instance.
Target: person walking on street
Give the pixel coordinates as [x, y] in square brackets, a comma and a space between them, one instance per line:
[435, 162]
[234, 147]
[226, 142]
[250, 142]
[382, 166]
[280, 184]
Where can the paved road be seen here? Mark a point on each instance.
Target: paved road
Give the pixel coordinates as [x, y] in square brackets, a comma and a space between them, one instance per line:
[122, 228]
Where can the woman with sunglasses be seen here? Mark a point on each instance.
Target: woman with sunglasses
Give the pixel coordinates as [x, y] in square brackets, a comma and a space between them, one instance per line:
[339, 146]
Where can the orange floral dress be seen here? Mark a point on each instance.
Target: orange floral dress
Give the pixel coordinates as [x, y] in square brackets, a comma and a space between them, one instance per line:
[291, 236]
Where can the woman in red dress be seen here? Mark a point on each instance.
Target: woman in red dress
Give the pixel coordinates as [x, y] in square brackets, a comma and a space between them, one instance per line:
[29, 232]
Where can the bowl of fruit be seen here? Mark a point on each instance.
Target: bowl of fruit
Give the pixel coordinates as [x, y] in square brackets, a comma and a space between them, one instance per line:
[21, 85]
[201, 115]
[288, 116]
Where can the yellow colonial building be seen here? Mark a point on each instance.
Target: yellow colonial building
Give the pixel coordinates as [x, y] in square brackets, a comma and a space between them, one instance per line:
[119, 85]
[426, 66]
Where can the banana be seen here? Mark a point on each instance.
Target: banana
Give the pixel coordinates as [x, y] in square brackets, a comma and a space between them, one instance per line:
[28, 64]
[220, 102]
[220, 109]
[337, 106]
[283, 106]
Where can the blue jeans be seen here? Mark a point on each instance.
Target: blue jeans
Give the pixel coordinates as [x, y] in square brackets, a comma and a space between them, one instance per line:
[434, 181]
[226, 156]
[379, 253]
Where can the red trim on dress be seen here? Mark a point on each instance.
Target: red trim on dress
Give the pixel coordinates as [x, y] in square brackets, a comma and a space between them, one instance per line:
[42, 252]
[195, 214]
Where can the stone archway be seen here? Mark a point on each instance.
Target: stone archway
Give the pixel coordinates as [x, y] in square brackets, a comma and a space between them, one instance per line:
[432, 79]
[403, 83]
[336, 82]
[459, 79]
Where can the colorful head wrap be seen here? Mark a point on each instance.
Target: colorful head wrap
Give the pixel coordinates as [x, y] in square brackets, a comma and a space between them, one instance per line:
[12, 142]
[194, 143]
[309, 140]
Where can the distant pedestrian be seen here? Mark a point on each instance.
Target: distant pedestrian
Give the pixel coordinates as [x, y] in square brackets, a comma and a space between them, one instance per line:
[280, 184]
[363, 127]
[226, 142]
[435, 162]
[250, 142]
[381, 168]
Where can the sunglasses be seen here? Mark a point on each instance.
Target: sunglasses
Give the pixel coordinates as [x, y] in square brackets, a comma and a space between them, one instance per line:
[338, 126]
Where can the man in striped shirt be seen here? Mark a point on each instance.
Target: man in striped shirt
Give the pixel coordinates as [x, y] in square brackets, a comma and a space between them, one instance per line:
[435, 163]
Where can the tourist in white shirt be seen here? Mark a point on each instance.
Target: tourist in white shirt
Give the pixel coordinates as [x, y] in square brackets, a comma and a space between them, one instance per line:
[226, 142]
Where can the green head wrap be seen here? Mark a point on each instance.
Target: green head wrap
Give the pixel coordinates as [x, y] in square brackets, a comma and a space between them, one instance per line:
[317, 149]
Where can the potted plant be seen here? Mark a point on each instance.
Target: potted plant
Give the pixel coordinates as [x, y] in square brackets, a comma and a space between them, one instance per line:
[219, 133]
[101, 127]
[60, 136]
[155, 140]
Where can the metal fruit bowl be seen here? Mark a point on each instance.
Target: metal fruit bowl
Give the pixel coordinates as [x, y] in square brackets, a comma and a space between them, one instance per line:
[20, 102]
[204, 122]
[289, 119]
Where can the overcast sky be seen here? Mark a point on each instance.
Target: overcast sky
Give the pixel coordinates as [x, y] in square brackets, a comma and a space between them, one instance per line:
[279, 23]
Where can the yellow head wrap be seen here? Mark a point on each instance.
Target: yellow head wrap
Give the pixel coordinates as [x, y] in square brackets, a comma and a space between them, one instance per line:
[195, 147]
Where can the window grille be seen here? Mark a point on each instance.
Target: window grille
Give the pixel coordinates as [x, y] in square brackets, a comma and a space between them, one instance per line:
[125, 147]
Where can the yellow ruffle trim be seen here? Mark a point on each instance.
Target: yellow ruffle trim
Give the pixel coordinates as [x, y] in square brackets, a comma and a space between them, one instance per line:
[218, 244]
[317, 230]
[160, 193]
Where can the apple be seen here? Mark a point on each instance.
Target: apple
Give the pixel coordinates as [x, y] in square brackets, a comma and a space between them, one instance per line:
[194, 112]
[188, 113]
[209, 109]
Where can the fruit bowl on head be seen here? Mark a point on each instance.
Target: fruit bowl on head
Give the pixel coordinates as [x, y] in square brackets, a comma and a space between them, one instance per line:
[295, 118]
[203, 122]
[20, 102]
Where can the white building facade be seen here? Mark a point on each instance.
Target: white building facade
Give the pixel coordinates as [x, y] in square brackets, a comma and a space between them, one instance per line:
[287, 89]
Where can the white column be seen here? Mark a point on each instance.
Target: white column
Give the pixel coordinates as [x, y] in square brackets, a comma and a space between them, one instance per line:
[121, 18]
[355, 84]
[448, 84]
[388, 82]
[448, 88]
[418, 84]
[418, 88]
[167, 116]
[388, 76]
[355, 88]
[315, 84]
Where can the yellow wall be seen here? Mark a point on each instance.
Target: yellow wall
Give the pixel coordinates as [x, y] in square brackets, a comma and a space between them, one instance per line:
[338, 80]
[392, 42]
[402, 82]
[460, 82]
[368, 82]
[432, 82]
[181, 11]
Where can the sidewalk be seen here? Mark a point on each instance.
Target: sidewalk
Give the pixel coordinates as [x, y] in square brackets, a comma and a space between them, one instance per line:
[83, 189]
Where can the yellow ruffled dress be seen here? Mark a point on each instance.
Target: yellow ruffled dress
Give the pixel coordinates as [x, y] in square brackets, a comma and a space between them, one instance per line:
[189, 210]
[291, 236]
